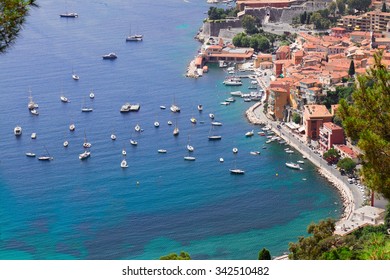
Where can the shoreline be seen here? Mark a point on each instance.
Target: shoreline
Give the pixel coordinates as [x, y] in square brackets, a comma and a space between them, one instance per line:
[255, 116]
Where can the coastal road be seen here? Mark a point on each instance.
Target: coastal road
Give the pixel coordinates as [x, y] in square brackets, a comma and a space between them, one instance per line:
[294, 140]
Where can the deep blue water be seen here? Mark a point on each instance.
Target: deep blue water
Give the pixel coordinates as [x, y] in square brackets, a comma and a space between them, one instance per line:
[93, 209]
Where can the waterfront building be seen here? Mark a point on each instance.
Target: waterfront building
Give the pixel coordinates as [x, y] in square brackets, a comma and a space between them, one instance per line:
[214, 53]
[330, 134]
[277, 102]
[313, 118]
[346, 152]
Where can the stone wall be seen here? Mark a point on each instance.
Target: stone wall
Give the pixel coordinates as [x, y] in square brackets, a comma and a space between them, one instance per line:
[213, 28]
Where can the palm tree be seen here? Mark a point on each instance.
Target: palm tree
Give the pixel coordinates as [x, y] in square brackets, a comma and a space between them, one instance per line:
[13, 15]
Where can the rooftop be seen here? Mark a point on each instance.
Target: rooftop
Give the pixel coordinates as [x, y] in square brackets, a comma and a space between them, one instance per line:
[332, 126]
[317, 111]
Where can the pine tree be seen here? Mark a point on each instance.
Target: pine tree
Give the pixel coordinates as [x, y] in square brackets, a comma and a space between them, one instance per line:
[384, 8]
[264, 254]
[351, 70]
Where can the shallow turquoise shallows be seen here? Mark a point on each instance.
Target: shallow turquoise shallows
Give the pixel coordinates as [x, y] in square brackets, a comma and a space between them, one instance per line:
[94, 209]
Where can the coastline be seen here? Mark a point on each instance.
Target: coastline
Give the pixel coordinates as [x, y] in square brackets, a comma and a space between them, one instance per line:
[256, 116]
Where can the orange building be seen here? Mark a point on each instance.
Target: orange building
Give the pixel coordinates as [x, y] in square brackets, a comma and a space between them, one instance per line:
[331, 134]
[313, 118]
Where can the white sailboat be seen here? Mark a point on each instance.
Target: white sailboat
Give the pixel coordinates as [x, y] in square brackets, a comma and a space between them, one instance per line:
[236, 170]
[212, 136]
[46, 157]
[189, 147]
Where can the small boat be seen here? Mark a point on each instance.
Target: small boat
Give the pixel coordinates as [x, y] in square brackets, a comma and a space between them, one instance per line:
[193, 120]
[176, 131]
[137, 128]
[64, 99]
[92, 95]
[18, 130]
[289, 151]
[249, 133]
[169, 122]
[46, 157]
[247, 100]
[161, 151]
[124, 164]
[72, 127]
[237, 171]
[211, 115]
[162, 107]
[84, 155]
[75, 77]
[268, 141]
[87, 145]
[255, 153]
[225, 103]
[175, 109]
[216, 123]
[221, 160]
[235, 150]
[86, 109]
[113, 137]
[34, 112]
[300, 161]
[304, 157]
[189, 158]
[65, 144]
[261, 133]
[124, 152]
[133, 142]
[110, 56]
[236, 93]
[230, 99]
[200, 107]
[232, 81]
[156, 124]
[134, 38]
[214, 137]
[69, 15]
[293, 165]
[33, 135]
[190, 148]
[30, 155]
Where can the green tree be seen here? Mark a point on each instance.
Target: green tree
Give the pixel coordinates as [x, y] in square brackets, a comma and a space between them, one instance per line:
[360, 5]
[332, 7]
[340, 6]
[347, 164]
[249, 24]
[384, 8]
[263, 44]
[351, 71]
[331, 156]
[367, 121]
[13, 14]
[296, 118]
[174, 256]
[237, 40]
[264, 254]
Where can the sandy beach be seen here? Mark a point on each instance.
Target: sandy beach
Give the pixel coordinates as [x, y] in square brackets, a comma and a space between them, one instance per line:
[256, 116]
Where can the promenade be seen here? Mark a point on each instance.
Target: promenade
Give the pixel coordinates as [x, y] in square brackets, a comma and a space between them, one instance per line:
[352, 198]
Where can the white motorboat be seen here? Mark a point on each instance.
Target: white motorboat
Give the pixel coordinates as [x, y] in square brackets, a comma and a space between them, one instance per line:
[137, 128]
[33, 135]
[18, 130]
[189, 158]
[216, 123]
[64, 99]
[268, 141]
[87, 145]
[124, 164]
[235, 150]
[289, 151]
[133, 142]
[69, 15]
[34, 112]
[249, 133]
[176, 131]
[221, 160]
[232, 81]
[86, 109]
[92, 95]
[200, 107]
[193, 120]
[156, 124]
[237, 171]
[162, 107]
[110, 56]
[169, 122]
[225, 103]
[211, 115]
[124, 152]
[304, 157]
[162, 151]
[30, 154]
[72, 127]
[75, 77]
[65, 144]
[125, 108]
[175, 109]
[113, 137]
[236, 93]
[300, 161]
[84, 155]
[255, 153]
[214, 137]
[230, 99]
[293, 165]
[261, 133]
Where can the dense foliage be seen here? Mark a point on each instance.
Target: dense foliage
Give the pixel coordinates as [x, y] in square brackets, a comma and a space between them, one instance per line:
[257, 42]
[331, 156]
[264, 254]
[368, 243]
[296, 118]
[367, 121]
[249, 24]
[174, 256]
[333, 97]
[12, 17]
[320, 19]
[360, 5]
[347, 164]
[215, 13]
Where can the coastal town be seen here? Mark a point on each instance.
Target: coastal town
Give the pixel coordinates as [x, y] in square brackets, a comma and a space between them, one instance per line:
[295, 83]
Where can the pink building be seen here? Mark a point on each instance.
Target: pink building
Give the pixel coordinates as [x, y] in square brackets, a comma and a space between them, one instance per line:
[330, 134]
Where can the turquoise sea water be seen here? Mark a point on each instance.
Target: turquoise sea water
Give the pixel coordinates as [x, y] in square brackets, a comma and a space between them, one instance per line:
[93, 209]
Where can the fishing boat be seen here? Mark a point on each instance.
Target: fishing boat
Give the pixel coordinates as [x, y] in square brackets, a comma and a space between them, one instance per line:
[84, 155]
[110, 56]
[29, 154]
[293, 165]
[18, 130]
